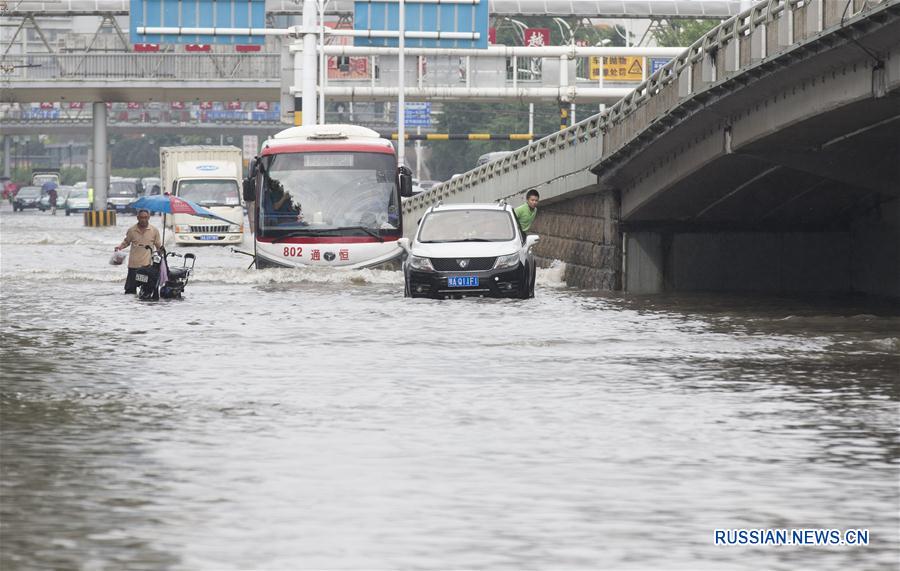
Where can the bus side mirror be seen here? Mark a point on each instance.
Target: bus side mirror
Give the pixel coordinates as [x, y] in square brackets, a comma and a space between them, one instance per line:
[248, 190]
[251, 170]
[405, 179]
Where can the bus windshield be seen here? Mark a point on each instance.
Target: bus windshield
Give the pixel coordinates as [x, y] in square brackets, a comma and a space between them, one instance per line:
[210, 192]
[330, 191]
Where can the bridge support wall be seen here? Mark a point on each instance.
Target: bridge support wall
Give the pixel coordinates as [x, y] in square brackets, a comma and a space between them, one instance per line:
[863, 259]
[875, 239]
[583, 232]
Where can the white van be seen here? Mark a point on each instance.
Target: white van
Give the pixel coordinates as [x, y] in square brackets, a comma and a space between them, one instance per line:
[211, 177]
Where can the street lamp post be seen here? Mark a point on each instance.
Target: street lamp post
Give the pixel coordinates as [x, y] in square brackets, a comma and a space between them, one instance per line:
[401, 96]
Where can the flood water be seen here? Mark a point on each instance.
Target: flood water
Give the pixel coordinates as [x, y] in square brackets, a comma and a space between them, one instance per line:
[284, 419]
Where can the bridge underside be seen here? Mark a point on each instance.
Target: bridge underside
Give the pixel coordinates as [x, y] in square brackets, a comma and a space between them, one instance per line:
[791, 184]
[812, 207]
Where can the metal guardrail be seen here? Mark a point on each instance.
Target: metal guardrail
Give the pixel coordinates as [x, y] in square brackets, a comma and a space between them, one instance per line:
[161, 66]
[699, 68]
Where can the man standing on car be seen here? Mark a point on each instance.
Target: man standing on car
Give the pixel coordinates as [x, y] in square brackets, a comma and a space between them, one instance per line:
[139, 237]
[526, 213]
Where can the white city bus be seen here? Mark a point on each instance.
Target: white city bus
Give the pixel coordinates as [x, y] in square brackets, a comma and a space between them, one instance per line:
[328, 196]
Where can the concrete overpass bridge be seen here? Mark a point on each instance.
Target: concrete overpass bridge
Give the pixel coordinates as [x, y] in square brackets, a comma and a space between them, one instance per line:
[765, 158]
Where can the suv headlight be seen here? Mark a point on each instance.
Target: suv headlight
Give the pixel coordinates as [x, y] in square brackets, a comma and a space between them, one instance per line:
[420, 263]
[510, 261]
[182, 228]
[235, 228]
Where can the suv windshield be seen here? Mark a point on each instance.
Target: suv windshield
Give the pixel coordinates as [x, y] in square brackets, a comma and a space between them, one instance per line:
[121, 188]
[210, 192]
[467, 226]
[331, 191]
[78, 193]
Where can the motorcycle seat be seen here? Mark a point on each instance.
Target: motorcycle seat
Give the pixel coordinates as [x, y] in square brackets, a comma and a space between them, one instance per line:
[178, 272]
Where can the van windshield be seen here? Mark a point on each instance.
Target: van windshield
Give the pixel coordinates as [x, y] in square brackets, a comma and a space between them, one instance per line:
[210, 192]
[467, 226]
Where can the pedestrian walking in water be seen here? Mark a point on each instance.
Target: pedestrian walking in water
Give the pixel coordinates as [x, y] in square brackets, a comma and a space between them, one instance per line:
[53, 196]
[139, 237]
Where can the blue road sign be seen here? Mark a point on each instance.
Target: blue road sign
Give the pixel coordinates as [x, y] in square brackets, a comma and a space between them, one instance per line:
[197, 14]
[656, 64]
[417, 115]
[422, 17]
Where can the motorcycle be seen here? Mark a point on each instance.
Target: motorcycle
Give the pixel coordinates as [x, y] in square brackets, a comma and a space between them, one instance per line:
[148, 277]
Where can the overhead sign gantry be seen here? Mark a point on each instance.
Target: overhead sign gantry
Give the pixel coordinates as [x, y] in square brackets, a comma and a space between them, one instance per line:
[232, 21]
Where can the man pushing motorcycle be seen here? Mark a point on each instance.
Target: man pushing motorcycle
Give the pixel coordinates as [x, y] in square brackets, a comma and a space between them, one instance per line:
[139, 237]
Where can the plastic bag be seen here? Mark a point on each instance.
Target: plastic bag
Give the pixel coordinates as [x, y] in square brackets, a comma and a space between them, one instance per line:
[118, 257]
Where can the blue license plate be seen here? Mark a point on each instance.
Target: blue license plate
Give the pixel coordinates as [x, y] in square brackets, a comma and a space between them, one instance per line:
[462, 281]
[208, 237]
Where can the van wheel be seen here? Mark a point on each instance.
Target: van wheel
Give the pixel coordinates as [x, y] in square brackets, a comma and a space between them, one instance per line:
[68, 212]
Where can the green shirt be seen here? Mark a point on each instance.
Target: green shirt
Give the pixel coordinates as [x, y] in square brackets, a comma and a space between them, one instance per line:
[525, 216]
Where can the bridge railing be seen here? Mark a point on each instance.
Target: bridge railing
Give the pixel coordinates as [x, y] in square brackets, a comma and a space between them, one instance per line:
[163, 66]
[761, 32]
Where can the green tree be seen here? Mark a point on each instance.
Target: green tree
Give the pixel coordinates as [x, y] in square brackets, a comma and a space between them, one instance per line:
[677, 33]
[450, 157]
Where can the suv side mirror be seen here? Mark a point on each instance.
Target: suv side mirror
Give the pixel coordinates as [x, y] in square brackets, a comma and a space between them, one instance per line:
[404, 244]
[531, 240]
[404, 179]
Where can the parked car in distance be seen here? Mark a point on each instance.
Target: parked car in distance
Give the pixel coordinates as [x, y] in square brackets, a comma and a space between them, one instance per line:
[122, 192]
[469, 249]
[78, 200]
[152, 185]
[488, 157]
[27, 197]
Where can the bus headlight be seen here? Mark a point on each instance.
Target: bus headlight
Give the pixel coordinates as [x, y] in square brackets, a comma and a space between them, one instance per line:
[504, 262]
[420, 263]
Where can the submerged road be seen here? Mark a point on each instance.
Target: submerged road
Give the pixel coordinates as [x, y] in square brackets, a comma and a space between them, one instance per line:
[282, 419]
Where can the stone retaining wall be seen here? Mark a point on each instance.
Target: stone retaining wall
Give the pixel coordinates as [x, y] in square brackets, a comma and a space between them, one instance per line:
[583, 232]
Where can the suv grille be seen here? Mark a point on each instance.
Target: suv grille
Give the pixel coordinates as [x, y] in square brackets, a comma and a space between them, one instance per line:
[472, 265]
[209, 229]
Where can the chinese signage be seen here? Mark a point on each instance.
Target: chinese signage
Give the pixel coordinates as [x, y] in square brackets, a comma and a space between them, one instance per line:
[618, 68]
[657, 64]
[251, 145]
[537, 37]
[346, 67]
[418, 115]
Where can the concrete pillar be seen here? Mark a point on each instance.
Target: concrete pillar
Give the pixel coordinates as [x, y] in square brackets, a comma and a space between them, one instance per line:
[101, 168]
[6, 157]
[310, 61]
[644, 262]
[90, 168]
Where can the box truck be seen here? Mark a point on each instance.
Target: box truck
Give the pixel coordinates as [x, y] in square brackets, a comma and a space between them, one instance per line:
[211, 177]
